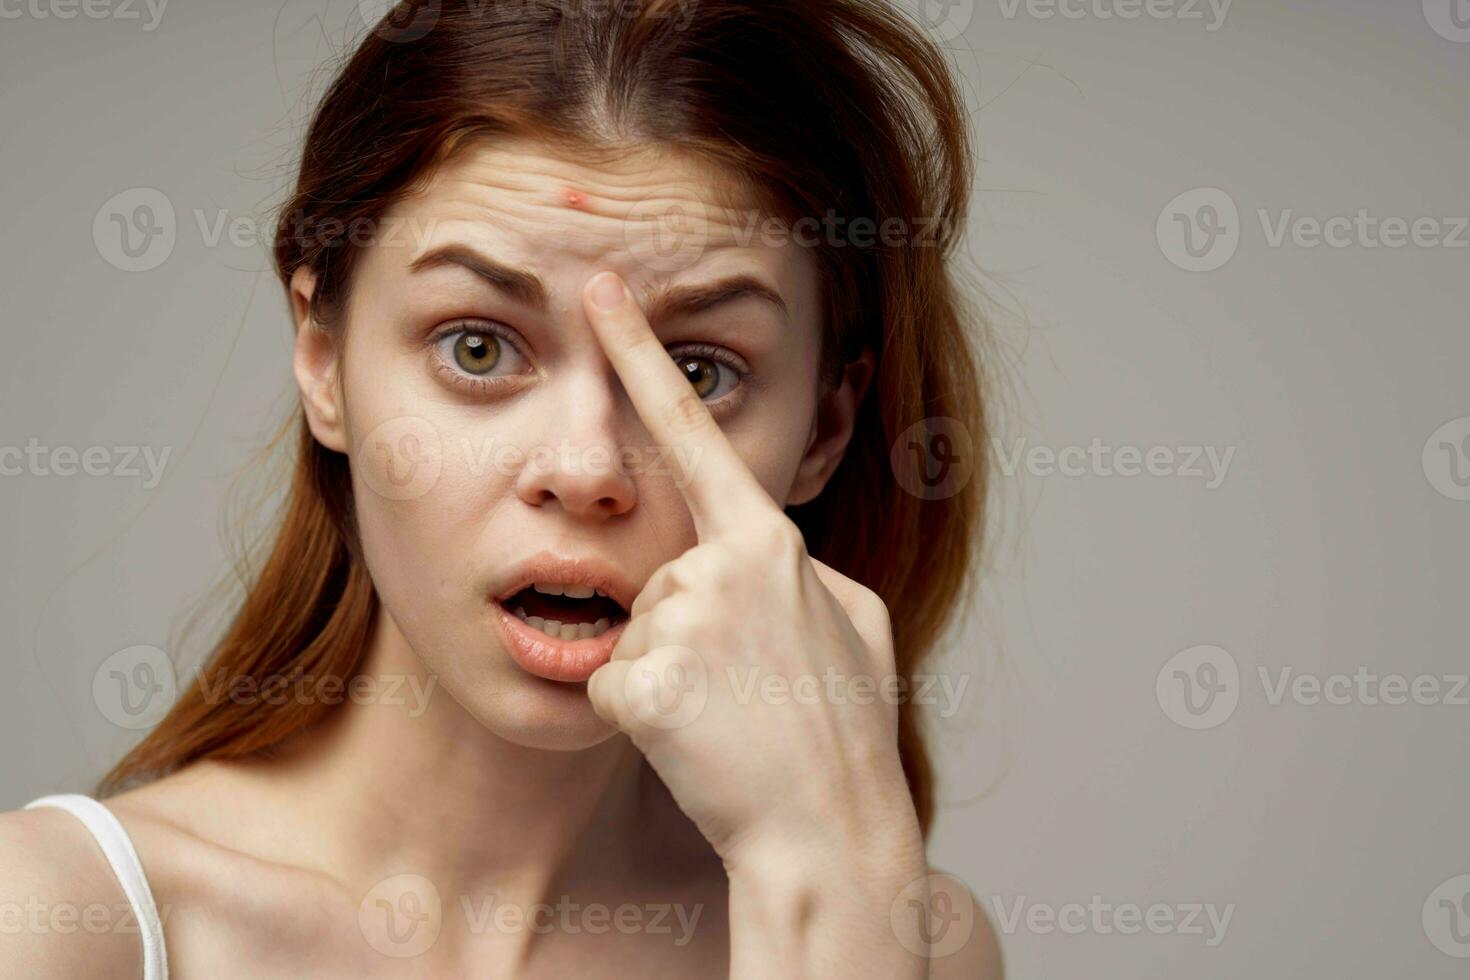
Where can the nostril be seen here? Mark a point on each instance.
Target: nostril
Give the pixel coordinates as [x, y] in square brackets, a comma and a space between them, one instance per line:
[582, 488]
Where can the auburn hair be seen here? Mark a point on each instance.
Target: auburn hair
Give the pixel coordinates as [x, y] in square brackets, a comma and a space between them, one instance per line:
[824, 107]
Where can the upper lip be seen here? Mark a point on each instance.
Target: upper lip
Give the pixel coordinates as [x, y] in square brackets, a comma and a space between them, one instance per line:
[546, 567]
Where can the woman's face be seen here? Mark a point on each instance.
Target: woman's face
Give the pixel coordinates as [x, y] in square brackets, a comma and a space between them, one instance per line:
[485, 427]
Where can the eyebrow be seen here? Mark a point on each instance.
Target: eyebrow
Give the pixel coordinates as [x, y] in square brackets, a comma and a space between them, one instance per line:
[520, 285]
[668, 303]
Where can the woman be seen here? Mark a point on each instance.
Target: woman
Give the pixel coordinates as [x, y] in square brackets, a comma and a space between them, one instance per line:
[607, 319]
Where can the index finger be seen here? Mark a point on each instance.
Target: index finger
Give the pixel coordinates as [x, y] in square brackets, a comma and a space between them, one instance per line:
[718, 486]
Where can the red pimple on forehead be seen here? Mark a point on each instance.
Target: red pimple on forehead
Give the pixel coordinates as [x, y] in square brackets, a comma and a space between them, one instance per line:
[573, 197]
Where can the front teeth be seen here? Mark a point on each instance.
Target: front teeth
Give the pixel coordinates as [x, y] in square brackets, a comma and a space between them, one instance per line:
[570, 591]
[565, 631]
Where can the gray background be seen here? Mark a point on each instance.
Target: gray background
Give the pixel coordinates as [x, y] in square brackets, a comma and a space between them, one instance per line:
[1333, 543]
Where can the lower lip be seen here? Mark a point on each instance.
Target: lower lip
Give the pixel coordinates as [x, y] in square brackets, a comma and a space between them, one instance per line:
[553, 658]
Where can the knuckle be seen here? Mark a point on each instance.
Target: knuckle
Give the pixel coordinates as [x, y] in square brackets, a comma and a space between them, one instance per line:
[674, 617]
[781, 535]
[707, 568]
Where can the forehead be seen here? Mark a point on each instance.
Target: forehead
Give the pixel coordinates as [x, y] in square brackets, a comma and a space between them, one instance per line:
[655, 216]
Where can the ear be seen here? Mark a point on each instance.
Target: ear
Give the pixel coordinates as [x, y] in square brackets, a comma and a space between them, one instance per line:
[831, 430]
[315, 365]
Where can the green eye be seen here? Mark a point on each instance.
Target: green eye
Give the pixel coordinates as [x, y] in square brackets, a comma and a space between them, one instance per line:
[703, 373]
[477, 353]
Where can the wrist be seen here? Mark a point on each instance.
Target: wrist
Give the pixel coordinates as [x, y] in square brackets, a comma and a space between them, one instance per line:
[876, 838]
[859, 805]
[818, 912]
[890, 853]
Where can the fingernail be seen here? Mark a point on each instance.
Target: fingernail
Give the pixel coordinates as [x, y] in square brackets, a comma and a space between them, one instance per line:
[608, 292]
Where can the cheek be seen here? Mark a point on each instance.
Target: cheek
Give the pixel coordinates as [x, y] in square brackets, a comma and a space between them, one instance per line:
[771, 433]
[424, 481]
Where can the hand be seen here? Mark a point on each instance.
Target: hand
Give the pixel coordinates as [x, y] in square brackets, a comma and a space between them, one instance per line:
[720, 632]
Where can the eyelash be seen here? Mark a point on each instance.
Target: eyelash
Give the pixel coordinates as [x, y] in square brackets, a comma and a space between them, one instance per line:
[720, 407]
[456, 376]
[719, 355]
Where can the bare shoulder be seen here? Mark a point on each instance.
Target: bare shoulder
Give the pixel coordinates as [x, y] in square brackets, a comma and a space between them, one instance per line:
[213, 895]
[62, 911]
[979, 958]
[201, 834]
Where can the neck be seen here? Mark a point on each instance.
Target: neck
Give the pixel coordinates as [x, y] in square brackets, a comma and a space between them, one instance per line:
[419, 786]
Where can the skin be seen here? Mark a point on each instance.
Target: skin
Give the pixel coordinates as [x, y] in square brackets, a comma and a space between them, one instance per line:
[780, 832]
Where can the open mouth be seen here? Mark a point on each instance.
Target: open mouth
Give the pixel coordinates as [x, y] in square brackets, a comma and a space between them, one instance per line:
[565, 612]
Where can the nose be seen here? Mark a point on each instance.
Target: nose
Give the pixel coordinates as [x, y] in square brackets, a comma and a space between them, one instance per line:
[582, 469]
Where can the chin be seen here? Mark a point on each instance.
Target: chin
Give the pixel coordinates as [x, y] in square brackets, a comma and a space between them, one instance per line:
[534, 712]
[489, 686]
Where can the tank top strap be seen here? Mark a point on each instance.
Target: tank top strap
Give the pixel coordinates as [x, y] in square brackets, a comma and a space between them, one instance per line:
[117, 846]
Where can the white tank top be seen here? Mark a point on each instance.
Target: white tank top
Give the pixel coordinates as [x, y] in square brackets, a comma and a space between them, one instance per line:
[118, 848]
